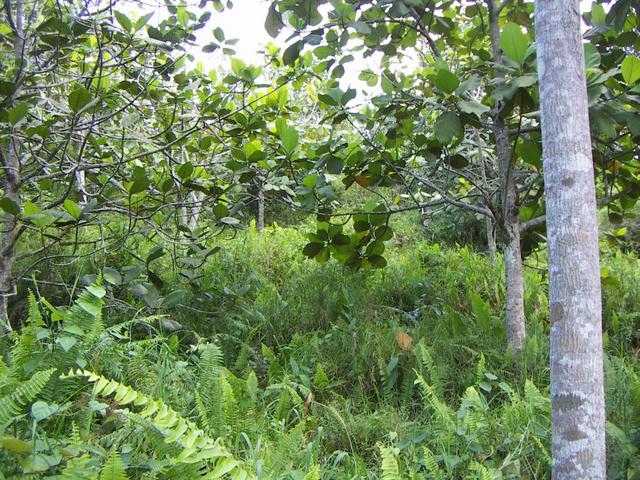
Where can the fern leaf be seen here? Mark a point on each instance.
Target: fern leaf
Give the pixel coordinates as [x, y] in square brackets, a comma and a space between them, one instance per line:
[389, 463]
[313, 474]
[11, 405]
[113, 469]
[431, 465]
[442, 412]
[197, 446]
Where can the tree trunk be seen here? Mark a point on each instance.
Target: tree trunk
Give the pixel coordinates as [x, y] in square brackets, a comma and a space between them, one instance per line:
[197, 198]
[489, 223]
[11, 184]
[260, 208]
[515, 319]
[577, 392]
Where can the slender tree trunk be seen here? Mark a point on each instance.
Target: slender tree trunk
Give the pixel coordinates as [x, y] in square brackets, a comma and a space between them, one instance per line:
[195, 209]
[489, 223]
[11, 183]
[577, 392]
[260, 210]
[515, 319]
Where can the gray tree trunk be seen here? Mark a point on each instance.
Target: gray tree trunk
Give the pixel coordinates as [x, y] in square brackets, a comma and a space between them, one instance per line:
[11, 184]
[515, 318]
[260, 211]
[489, 223]
[577, 392]
[197, 198]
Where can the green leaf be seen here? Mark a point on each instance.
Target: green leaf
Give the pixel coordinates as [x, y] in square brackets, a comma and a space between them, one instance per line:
[631, 69]
[446, 81]
[273, 23]
[66, 342]
[123, 20]
[15, 445]
[337, 72]
[312, 249]
[591, 56]
[41, 410]
[30, 209]
[458, 161]
[185, 170]
[156, 252]
[447, 126]
[231, 221]
[292, 53]
[72, 208]
[530, 153]
[9, 206]
[18, 112]
[289, 137]
[173, 299]
[598, 15]
[377, 261]
[79, 98]
[220, 210]
[335, 165]
[112, 276]
[218, 33]
[473, 107]
[97, 291]
[514, 42]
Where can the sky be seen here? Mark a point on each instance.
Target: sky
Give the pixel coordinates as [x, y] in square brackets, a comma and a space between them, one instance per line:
[245, 21]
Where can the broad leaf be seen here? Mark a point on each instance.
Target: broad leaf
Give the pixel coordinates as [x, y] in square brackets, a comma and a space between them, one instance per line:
[446, 81]
[447, 126]
[78, 99]
[631, 69]
[514, 43]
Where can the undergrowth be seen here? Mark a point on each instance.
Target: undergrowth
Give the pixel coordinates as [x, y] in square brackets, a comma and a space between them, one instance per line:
[275, 367]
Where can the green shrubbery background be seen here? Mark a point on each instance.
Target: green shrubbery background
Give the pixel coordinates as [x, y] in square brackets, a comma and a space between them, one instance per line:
[296, 369]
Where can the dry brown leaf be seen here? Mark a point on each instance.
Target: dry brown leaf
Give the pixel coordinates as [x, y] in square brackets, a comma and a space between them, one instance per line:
[404, 340]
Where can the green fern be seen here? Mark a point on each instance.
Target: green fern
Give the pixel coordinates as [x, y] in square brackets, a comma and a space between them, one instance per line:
[480, 472]
[113, 468]
[431, 465]
[26, 345]
[313, 474]
[197, 447]
[11, 405]
[286, 448]
[389, 463]
[443, 413]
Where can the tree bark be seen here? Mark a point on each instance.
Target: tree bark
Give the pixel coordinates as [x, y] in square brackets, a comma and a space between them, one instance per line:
[577, 392]
[197, 198]
[489, 223]
[11, 182]
[260, 207]
[515, 318]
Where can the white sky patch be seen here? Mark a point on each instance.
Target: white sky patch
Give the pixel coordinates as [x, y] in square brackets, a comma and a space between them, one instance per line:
[245, 22]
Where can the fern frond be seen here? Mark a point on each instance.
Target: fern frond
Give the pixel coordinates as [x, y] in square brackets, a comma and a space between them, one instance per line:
[197, 446]
[11, 405]
[286, 448]
[113, 468]
[443, 413]
[431, 465]
[482, 472]
[313, 474]
[389, 463]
